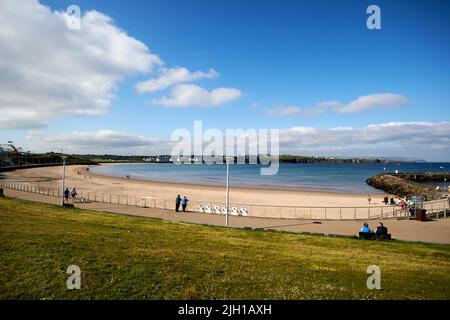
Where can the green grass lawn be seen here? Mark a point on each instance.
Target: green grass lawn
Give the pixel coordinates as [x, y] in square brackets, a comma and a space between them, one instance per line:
[124, 257]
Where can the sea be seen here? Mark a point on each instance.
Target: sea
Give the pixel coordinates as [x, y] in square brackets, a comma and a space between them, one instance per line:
[330, 177]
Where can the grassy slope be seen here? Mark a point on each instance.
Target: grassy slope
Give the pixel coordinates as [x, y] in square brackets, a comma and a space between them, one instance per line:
[129, 257]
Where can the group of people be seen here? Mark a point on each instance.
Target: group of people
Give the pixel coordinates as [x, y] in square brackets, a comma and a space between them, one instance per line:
[390, 201]
[79, 173]
[73, 193]
[386, 200]
[402, 203]
[381, 230]
[181, 201]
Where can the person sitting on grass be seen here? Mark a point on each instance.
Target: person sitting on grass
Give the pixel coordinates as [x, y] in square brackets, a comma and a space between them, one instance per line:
[365, 228]
[381, 230]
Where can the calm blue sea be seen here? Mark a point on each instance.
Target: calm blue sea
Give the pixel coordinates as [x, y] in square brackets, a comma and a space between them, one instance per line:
[326, 177]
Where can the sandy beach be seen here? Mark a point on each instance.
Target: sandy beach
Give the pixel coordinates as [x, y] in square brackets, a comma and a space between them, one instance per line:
[86, 181]
[49, 177]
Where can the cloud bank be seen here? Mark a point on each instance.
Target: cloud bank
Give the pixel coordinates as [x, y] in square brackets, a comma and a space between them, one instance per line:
[402, 139]
[97, 142]
[48, 71]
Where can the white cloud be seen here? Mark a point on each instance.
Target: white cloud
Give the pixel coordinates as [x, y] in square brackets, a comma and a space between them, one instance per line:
[405, 139]
[374, 101]
[283, 111]
[48, 71]
[186, 95]
[173, 76]
[378, 100]
[316, 110]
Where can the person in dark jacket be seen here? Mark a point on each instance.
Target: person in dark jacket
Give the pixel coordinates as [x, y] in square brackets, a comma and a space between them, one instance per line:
[381, 230]
[177, 203]
[66, 194]
[74, 195]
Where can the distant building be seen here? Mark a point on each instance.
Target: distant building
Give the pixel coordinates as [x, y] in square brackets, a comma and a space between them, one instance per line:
[160, 158]
[151, 159]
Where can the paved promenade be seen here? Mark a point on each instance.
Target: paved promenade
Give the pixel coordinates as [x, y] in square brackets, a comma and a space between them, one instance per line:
[434, 231]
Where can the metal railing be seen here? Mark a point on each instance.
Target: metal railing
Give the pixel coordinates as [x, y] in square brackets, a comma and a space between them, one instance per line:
[437, 208]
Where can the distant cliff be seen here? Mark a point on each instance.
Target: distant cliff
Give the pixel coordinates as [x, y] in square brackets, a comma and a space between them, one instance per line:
[305, 159]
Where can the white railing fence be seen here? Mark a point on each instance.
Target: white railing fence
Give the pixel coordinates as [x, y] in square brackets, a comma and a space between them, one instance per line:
[435, 209]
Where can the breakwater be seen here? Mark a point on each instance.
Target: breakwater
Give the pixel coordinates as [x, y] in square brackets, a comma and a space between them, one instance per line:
[409, 184]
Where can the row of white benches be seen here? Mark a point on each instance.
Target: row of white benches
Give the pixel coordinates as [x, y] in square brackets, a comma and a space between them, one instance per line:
[234, 211]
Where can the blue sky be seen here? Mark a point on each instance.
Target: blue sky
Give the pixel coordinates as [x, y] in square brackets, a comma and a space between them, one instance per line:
[278, 54]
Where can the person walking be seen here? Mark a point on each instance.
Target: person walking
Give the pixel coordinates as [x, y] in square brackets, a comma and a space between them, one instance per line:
[66, 195]
[177, 203]
[184, 203]
[74, 194]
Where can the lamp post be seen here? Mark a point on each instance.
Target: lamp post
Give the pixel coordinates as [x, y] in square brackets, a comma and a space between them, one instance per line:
[227, 194]
[64, 158]
[445, 179]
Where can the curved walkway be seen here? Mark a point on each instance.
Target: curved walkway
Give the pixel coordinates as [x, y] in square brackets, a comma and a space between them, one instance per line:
[433, 232]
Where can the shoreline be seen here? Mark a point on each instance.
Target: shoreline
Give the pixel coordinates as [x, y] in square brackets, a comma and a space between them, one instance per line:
[87, 181]
[241, 187]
